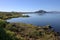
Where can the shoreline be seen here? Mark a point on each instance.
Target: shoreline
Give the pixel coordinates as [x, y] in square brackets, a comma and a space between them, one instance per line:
[22, 31]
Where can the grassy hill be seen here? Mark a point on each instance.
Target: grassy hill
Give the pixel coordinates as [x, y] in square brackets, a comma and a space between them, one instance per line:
[21, 31]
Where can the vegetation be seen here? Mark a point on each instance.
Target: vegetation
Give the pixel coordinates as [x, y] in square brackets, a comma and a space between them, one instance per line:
[8, 15]
[22, 31]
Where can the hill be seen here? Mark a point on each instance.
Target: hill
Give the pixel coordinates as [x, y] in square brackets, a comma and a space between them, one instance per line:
[41, 11]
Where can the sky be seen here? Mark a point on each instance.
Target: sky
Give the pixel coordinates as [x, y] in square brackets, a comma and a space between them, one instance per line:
[29, 5]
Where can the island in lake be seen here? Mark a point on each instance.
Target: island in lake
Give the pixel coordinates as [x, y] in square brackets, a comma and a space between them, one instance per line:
[22, 31]
[41, 11]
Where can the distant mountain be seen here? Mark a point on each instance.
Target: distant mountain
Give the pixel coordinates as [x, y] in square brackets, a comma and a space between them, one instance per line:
[54, 12]
[41, 11]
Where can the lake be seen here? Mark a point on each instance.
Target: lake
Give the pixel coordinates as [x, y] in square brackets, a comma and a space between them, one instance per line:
[40, 19]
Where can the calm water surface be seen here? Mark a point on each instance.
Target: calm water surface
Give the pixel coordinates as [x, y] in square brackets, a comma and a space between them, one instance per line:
[39, 19]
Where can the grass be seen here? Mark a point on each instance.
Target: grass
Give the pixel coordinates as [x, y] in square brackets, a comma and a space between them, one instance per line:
[8, 15]
[22, 31]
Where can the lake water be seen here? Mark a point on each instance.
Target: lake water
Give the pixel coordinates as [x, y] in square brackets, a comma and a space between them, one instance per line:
[40, 19]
